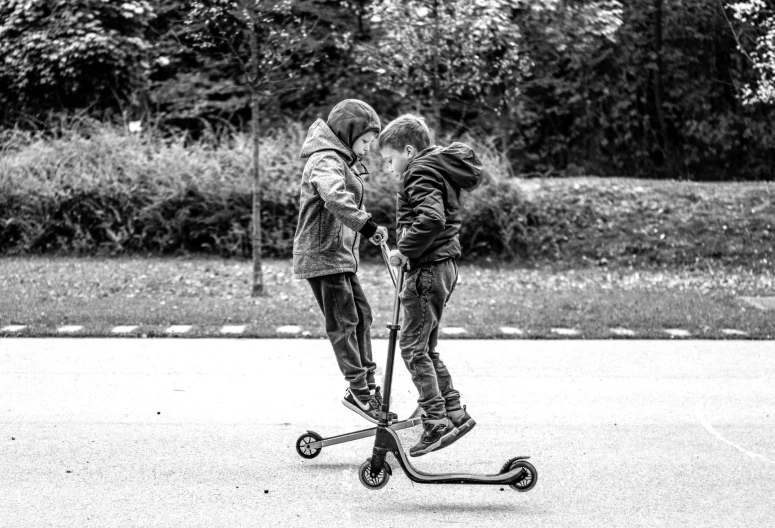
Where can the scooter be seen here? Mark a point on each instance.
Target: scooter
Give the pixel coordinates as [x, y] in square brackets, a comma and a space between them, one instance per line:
[310, 444]
[374, 473]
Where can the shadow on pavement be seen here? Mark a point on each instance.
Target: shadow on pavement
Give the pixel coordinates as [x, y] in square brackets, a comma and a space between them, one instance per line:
[480, 507]
[333, 466]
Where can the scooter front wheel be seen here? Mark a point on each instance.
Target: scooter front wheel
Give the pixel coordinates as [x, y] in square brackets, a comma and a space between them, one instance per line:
[302, 445]
[371, 482]
[527, 478]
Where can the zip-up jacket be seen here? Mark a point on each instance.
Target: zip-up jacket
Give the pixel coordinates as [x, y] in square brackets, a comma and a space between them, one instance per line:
[428, 212]
[331, 212]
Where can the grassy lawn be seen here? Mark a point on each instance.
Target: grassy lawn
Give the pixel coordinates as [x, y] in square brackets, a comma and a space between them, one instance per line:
[154, 293]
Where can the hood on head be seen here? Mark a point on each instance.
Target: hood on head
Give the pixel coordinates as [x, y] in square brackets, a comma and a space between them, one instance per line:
[352, 118]
[457, 162]
[320, 137]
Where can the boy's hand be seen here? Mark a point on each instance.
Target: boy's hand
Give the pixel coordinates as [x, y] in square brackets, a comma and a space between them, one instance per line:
[397, 258]
[380, 236]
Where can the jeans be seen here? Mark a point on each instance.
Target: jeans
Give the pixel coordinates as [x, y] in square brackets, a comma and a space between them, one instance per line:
[348, 326]
[426, 291]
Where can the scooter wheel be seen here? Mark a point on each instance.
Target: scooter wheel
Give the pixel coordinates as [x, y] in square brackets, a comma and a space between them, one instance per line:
[373, 483]
[528, 477]
[302, 445]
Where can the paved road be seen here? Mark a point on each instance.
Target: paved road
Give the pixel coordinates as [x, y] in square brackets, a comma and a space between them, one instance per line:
[186, 433]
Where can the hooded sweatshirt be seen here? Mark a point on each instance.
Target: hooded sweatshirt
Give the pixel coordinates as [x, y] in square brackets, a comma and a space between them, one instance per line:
[428, 205]
[352, 118]
[331, 212]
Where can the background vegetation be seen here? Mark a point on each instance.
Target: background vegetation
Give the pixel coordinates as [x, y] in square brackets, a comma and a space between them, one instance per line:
[643, 88]
[97, 189]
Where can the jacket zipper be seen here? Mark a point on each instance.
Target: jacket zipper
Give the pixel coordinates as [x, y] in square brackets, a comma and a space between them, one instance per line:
[355, 239]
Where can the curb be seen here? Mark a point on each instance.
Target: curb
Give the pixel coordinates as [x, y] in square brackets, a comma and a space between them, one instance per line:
[297, 331]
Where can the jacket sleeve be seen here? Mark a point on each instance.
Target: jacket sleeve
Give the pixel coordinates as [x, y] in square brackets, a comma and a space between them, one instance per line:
[327, 176]
[424, 193]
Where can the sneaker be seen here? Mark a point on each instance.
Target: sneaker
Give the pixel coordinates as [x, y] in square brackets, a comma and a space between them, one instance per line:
[462, 420]
[436, 434]
[367, 408]
[393, 417]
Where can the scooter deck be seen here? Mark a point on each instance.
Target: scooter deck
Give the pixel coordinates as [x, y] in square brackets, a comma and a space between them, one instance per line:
[391, 444]
[414, 420]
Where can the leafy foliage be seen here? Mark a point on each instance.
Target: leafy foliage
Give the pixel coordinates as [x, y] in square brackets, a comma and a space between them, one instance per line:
[66, 55]
[643, 88]
[124, 194]
[758, 20]
[434, 51]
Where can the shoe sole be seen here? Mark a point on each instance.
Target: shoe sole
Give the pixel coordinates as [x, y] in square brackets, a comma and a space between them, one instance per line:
[359, 411]
[446, 440]
[464, 428]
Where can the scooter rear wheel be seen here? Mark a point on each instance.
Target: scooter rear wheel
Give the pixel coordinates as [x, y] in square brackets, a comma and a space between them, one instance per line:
[529, 475]
[373, 483]
[302, 445]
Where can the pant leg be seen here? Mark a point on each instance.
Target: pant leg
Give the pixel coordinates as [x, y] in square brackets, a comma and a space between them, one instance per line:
[443, 378]
[363, 330]
[419, 322]
[447, 275]
[334, 295]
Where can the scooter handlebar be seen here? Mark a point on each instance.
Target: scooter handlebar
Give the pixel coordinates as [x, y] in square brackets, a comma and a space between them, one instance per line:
[388, 260]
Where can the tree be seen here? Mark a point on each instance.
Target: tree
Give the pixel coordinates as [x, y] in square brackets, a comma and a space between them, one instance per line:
[438, 51]
[260, 37]
[477, 56]
[756, 40]
[66, 55]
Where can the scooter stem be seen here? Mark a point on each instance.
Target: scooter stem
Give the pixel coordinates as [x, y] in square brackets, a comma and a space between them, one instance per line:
[394, 328]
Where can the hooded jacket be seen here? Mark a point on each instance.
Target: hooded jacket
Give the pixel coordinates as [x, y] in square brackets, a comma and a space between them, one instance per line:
[428, 204]
[331, 212]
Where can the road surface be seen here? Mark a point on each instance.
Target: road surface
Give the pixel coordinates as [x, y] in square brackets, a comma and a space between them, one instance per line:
[188, 433]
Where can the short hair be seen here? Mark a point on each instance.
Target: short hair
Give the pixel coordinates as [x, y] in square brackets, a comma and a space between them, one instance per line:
[408, 129]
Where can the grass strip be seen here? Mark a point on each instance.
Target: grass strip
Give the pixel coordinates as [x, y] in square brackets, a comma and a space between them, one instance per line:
[99, 294]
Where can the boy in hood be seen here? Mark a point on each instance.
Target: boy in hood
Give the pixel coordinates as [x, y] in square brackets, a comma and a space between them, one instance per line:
[325, 248]
[428, 222]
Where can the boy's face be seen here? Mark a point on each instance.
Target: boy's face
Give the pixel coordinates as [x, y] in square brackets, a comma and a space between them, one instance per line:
[397, 160]
[363, 144]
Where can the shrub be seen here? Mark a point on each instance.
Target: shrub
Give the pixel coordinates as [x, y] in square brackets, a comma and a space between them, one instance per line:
[96, 189]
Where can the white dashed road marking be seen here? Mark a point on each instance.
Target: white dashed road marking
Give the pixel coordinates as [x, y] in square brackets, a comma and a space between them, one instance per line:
[69, 329]
[178, 329]
[450, 331]
[123, 329]
[677, 332]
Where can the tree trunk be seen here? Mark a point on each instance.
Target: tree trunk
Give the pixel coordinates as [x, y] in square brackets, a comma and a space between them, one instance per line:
[258, 277]
[435, 105]
[505, 125]
[658, 90]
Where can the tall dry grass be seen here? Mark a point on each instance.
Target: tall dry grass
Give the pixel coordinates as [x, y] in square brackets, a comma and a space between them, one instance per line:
[91, 188]
[96, 187]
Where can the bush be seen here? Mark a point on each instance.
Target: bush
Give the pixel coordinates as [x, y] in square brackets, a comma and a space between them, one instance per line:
[97, 189]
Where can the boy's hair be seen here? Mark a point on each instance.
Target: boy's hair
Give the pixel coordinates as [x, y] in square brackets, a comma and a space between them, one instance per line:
[408, 129]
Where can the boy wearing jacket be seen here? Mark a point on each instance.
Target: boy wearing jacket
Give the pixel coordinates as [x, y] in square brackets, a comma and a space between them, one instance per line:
[325, 247]
[428, 222]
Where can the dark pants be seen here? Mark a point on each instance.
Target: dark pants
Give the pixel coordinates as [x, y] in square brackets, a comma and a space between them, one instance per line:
[426, 291]
[348, 325]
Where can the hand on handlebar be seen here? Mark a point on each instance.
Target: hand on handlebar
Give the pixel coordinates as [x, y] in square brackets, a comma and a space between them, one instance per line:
[380, 236]
[397, 258]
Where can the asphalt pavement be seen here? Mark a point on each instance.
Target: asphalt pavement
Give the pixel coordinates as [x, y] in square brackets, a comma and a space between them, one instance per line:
[199, 432]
